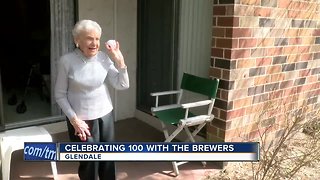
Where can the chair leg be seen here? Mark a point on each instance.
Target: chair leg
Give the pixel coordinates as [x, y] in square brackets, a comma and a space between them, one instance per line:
[195, 132]
[174, 134]
[54, 170]
[190, 136]
[164, 129]
[169, 139]
[175, 168]
[6, 162]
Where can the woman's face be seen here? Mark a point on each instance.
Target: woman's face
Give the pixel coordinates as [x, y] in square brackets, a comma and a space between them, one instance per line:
[89, 42]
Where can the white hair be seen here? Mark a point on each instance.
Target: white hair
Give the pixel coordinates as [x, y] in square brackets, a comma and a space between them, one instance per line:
[85, 25]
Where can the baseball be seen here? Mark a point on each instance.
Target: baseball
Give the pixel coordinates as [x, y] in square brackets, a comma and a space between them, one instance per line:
[112, 43]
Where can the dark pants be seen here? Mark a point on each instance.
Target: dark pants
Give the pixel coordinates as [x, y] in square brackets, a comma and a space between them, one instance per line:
[102, 130]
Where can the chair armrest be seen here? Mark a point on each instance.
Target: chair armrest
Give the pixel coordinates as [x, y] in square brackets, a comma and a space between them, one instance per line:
[196, 120]
[165, 107]
[165, 93]
[196, 104]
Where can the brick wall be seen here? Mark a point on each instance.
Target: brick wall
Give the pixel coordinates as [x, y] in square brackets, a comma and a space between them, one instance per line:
[266, 52]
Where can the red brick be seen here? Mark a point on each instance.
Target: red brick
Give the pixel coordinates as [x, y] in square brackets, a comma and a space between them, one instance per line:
[265, 42]
[276, 94]
[259, 98]
[247, 42]
[274, 69]
[312, 79]
[292, 33]
[215, 72]
[250, 2]
[261, 80]
[316, 32]
[295, 41]
[235, 113]
[277, 77]
[290, 91]
[263, 61]
[254, 108]
[286, 84]
[242, 32]
[249, 21]
[212, 130]
[306, 87]
[293, 14]
[275, 51]
[240, 53]
[231, 133]
[223, 114]
[298, 5]
[244, 83]
[303, 49]
[216, 112]
[244, 102]
[217, 52]
[227, 53]
[237, 94]
[284, 4]
[244, 10]
[228, 21]
[220, 124]
[219, 10]
[224, 43]
[246, 63]
[221, 133]
[293, 57]
[305, 32]
[306, 57]
[263, 12]
[228, 32]
[229, 10]
[308, 40]
[290, 50]
[225, 74]
[278, 33]
[218, 32]
[224, 94]
[255, 134]
[259, 52]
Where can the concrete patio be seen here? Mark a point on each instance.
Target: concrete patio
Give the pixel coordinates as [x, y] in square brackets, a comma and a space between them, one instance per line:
[126, 130]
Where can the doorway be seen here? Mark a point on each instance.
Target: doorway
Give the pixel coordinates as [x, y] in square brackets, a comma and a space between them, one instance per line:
[25, 64]
[158, 22]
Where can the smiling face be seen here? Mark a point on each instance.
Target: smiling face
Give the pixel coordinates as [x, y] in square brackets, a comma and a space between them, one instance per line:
[88, 42]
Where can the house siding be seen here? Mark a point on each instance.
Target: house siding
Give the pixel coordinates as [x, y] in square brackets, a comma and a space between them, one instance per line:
[264, 52]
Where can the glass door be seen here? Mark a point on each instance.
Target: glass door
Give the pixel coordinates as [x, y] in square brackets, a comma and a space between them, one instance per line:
[25, 67]
[27, 70]
[157, 50]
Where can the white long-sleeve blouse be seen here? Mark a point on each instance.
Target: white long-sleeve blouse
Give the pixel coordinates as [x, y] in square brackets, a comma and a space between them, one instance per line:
[81, 88]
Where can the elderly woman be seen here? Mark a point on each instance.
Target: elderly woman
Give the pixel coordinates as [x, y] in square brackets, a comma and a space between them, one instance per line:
[83, 96]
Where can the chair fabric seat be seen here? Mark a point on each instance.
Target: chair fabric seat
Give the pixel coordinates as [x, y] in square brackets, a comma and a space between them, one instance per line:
[172, 116]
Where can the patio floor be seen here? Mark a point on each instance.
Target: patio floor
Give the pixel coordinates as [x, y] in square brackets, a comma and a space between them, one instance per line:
[126, 130]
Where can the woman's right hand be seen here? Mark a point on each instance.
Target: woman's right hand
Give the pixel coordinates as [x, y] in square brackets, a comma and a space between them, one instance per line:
[81, 128]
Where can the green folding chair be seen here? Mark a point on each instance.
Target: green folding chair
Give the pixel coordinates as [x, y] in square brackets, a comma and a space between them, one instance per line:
[179, 114]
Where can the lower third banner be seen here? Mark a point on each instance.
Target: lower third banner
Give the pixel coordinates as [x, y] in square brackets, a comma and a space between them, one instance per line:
[159, 151]
[137, 151]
